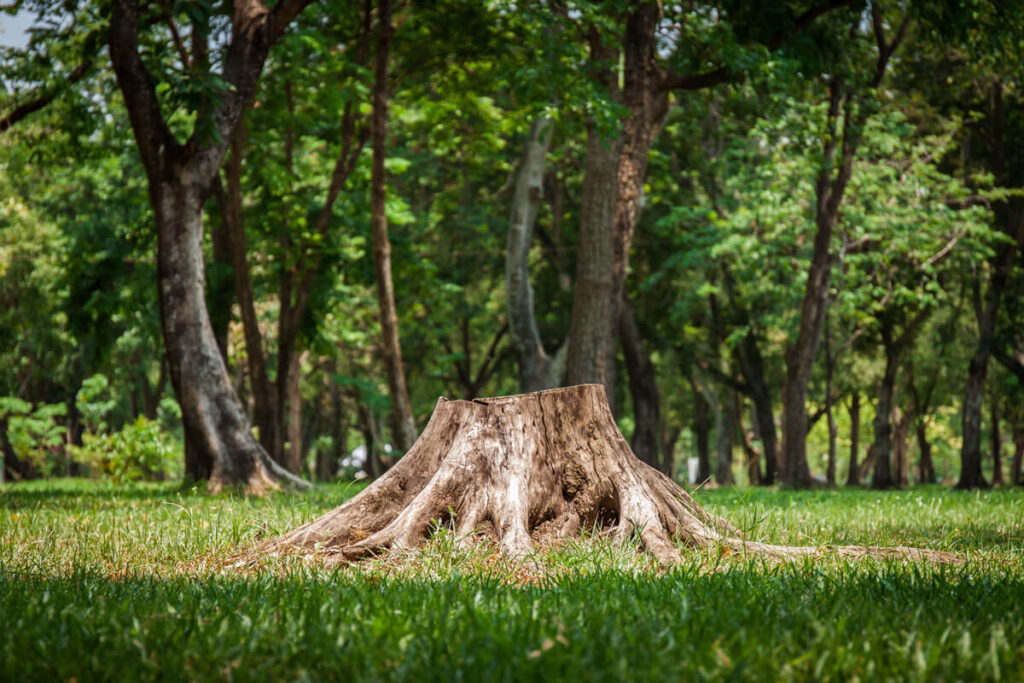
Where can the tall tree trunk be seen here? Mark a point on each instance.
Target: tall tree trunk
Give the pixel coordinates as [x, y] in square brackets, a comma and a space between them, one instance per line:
[974, 396]
[725, 439]
[752, 365]
[701, 432]
[327, 460]
[668, 450]
[901, 465]
[801, 353]
[223, 448]
[294, 403]
[591, 329]
[403, 428]
[1017, 476]
[746, 440]
[830, 187]
[852, 476]
[264, 392]
[987, 313]
[881, 448]
[180, 178]
[535, 365]
[926, 466]
[833, 430]
[643, 388]
[996, 441]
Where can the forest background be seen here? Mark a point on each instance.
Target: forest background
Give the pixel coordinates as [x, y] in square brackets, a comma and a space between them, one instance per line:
[786, 237]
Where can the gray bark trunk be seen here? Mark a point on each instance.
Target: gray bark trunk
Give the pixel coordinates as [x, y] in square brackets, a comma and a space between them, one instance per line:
[592, 327]
[215, 421]
[535, 365]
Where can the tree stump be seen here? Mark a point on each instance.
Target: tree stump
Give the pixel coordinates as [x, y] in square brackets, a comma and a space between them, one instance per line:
[528, 470]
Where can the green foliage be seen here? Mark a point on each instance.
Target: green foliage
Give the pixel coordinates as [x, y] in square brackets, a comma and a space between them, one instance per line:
[34, 432]
[94, 403]
[141, 450]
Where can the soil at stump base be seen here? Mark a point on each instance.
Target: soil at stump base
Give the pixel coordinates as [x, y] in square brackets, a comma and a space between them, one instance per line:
[528, 470]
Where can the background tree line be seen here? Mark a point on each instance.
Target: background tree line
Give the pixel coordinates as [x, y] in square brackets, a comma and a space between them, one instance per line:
[237, 241]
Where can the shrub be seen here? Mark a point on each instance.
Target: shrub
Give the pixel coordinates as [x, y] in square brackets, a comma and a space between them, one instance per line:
[141, 450]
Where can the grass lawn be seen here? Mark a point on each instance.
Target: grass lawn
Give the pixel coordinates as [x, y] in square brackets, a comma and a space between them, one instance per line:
[103, 583]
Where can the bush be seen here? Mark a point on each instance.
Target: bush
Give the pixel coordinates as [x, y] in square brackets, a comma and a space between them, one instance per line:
[141, 450]
[34, 432]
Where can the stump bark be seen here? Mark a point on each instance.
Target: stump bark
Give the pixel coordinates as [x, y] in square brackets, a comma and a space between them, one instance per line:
[528, 470]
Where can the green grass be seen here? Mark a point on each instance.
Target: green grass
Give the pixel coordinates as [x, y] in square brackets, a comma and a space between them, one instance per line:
[99, 583]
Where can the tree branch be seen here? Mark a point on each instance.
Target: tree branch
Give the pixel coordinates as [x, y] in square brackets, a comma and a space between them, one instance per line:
[46, 97]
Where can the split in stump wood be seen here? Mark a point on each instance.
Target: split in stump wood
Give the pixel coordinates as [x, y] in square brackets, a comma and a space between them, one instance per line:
[528, 470]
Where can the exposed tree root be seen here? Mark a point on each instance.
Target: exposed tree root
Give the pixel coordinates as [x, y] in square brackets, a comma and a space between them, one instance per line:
[532, 469]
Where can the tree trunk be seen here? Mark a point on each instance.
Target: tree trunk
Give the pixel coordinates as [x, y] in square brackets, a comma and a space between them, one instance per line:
[752, 365]
[974, 397]
[881, 448]
[988, 315]
[725, 429]
[997, 442]
[1018, 453]
[327, 463]
[403, 428]
[643, 388]
[180, 178]
[527, 471]
[264, 392]
[901, 466]
[535, 365]
[591, 329]
[223, 448]
[746, 439]
[668, 450]
[833, 430]
[294, 403]
[701, 431]
[926, 468]
[852, 476]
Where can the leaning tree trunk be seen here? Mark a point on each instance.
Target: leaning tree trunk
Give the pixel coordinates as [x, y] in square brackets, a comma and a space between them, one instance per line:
[528, 470]
[536, 368]
[224, 450]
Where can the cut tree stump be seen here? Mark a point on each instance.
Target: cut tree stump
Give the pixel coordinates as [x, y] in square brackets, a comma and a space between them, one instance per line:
[528, 470]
